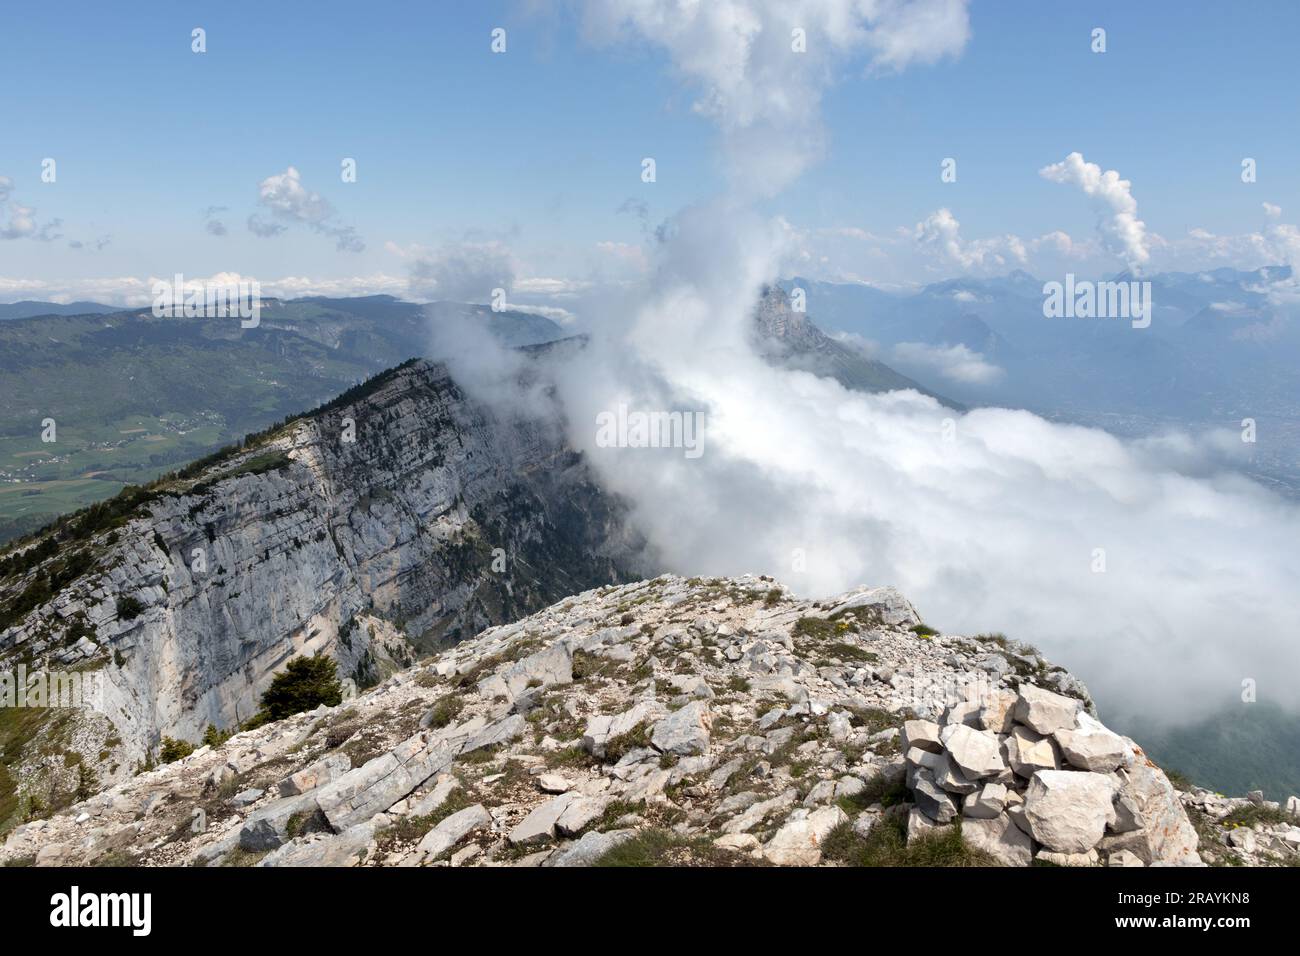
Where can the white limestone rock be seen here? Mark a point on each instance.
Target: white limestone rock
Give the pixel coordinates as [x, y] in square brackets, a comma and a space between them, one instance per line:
[1068, 811]
[1046, 712]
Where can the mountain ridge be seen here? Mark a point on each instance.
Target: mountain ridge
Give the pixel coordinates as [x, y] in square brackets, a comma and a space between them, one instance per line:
[669, 721]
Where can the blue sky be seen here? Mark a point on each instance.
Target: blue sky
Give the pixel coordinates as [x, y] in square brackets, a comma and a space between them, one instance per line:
[532, 153]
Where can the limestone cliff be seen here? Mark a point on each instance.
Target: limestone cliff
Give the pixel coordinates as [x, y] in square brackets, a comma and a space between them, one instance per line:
[400, 504]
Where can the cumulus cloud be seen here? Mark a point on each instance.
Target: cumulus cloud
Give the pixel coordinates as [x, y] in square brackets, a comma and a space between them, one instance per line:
[1271, 210]
[464, 272]
[1277, 243]
[20, 221]
[1124, 233]
[941, 232]
[289, 202]
[957, 363]
[738, 58]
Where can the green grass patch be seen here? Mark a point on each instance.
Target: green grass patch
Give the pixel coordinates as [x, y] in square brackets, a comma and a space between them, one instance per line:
[886, 844]
[656, 847]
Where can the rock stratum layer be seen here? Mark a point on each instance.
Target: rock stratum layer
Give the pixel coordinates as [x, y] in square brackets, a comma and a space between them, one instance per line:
[712, 722]
[397, 518]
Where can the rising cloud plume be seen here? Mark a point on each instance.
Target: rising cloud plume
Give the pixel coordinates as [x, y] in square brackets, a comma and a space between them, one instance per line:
[1117, 563]
[1124, 233]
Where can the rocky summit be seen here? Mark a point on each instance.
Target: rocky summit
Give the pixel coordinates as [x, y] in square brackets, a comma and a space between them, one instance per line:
[674, 721]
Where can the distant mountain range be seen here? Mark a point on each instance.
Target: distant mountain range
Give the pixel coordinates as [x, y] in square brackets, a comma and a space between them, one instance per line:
[29, 309]
[1223, 345]
[133, 396]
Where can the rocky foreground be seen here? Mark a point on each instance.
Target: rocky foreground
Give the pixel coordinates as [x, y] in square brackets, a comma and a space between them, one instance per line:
[677, 721]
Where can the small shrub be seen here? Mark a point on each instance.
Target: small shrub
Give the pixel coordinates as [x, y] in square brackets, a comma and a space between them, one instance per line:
[1253, 816]
[129, 608]
[814, 627]
[173, 750]
[212, 737]
[446, 710]
[638, 736]
[305, 683]
[851, 652]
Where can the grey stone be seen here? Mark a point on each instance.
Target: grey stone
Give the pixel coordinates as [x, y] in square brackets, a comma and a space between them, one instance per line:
[451, 830]
[949, 776]
[1028, 752]
[1059, 858]
[999, 837]
[539, 826]
[267, 828]
[1093, 747]
[496, 734]
[685, 731]
[245, 797]
[348, 848]
[379, 783]
[922, 734]
[799, 841]
[553, 783]
[603, 728]
[588, 850]
[987, 804]
[977, 753]
[328, 768]
[931, 799]
[579, 814]
[1046, 712]
[1068, 811]
[550, 666]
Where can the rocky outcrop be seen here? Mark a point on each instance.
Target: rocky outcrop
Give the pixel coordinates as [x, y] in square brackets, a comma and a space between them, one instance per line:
[1245, 831]
[696, 722]
[397, 519]
[1030, 775]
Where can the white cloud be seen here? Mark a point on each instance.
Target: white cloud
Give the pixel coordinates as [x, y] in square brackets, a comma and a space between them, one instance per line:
[1124, 233]
[132, 292]
[22, 222]
[1271, 210]
[941, 232]
[994, 530]
[997, 529]
[625, 253]
[289, 201]
[551, 286]
[737, 56]
[957, 363]
[463, 272]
